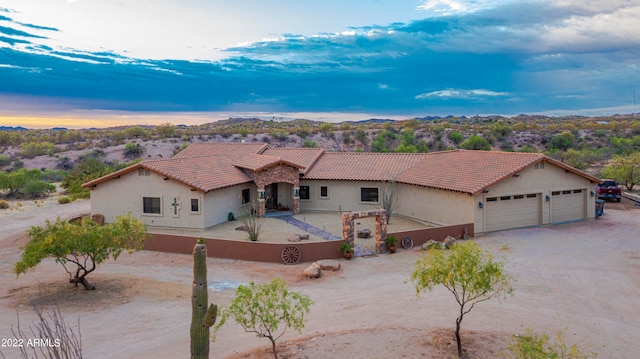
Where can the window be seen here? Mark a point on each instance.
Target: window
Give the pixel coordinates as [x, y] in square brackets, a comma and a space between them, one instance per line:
[151, 205]
[246, 195]
[518, 196]
[492, 199]
[143, 172]
[577, 191]
[324, 191]
[555, 193]
[368, 194]
[566, 192]
[532, 195]
[195, 205]
[505, 198]
[304, 192]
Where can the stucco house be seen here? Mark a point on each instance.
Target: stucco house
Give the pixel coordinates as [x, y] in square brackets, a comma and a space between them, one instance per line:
[198, 187]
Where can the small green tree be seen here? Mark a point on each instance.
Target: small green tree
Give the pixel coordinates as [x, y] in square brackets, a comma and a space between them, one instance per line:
[536, 346]
[84, 245]
[470, 274]
[267, 310]
[456, 137]
[476, 142]
[166, 130]
[563, 141]
[25, 181]
[624, 169]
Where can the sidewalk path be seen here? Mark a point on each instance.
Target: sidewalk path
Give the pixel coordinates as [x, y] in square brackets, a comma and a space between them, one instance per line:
[358, 251]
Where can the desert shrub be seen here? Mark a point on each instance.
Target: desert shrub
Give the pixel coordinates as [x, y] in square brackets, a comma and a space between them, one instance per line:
[361, 135]
[166, 130]
[536, 346]
[4, 204]
[27, 182]
[383, 141]
[327, 129]
[563, 141]
[4, 160]
[456, 137]
[476, 142]
[309, 144]
[280, 135]
[133, 150]
[33, 149]
[64, 200]
[346, 138]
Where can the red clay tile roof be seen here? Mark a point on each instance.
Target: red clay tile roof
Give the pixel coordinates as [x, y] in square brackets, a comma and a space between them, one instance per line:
[467, 171]
[459, 170]
[235, 150]
[256, 162]
[209, 166]
[202, 173]
[304, 156]
[362, 166]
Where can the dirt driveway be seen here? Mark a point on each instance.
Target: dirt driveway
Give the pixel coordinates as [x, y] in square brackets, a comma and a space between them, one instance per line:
[583, 278]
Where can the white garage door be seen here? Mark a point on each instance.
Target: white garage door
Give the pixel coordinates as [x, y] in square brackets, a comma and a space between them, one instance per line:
[515, 211]
[567, 205]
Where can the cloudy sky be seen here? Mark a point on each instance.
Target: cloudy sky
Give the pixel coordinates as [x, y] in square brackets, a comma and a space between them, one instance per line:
[330, 59]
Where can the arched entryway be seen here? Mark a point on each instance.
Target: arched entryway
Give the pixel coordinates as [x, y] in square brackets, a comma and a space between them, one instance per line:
[381, 226]
[268, 173]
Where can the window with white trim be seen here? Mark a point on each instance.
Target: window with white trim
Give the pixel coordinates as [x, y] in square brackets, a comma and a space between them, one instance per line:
[195, 205]
[304, 192]
[151, 205]
[324, 192]
[369, 194]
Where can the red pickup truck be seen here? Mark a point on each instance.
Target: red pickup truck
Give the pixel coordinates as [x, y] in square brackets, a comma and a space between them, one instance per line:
[609, 189]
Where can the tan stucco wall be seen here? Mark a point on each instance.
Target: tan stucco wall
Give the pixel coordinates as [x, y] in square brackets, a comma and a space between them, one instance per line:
[220, 202]
[344, 196]
[440, 207]
[543, 181]
[119, 196]
[437, 206]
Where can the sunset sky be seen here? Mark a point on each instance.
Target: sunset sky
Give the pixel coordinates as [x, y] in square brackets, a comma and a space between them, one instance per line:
[86, 63]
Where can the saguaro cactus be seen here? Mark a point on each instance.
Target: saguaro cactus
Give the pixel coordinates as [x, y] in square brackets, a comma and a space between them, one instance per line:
[202, 317]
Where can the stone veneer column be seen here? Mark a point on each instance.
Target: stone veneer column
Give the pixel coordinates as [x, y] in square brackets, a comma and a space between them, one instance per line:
[296, 199]
[347, 227]
[261, 202]
[381, 232]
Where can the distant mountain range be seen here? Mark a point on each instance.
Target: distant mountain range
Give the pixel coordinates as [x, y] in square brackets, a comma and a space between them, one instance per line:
[9, 128]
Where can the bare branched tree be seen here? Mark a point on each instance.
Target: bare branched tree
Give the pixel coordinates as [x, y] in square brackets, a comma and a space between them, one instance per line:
[49, 337]
[389, 200]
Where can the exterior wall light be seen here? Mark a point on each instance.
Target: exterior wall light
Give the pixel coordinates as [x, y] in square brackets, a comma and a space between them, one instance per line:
[547, 198]
[592, 193]
[480, 205]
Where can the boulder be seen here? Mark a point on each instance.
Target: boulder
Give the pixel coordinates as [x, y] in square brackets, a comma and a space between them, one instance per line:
[329, 264]
[294, 238]
[241, 228]
[303, 237]
[365, 233]
[449, 242]
[312, 271]
[433, 244]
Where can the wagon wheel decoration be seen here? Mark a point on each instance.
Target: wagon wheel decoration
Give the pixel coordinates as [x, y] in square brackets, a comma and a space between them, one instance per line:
[291, 255]
[407, 243]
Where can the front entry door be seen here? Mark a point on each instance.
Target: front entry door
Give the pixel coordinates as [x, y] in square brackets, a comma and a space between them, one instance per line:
[271, 194]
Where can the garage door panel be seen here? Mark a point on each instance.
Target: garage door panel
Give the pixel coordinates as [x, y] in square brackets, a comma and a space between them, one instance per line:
[512, 212]
[567, 205]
